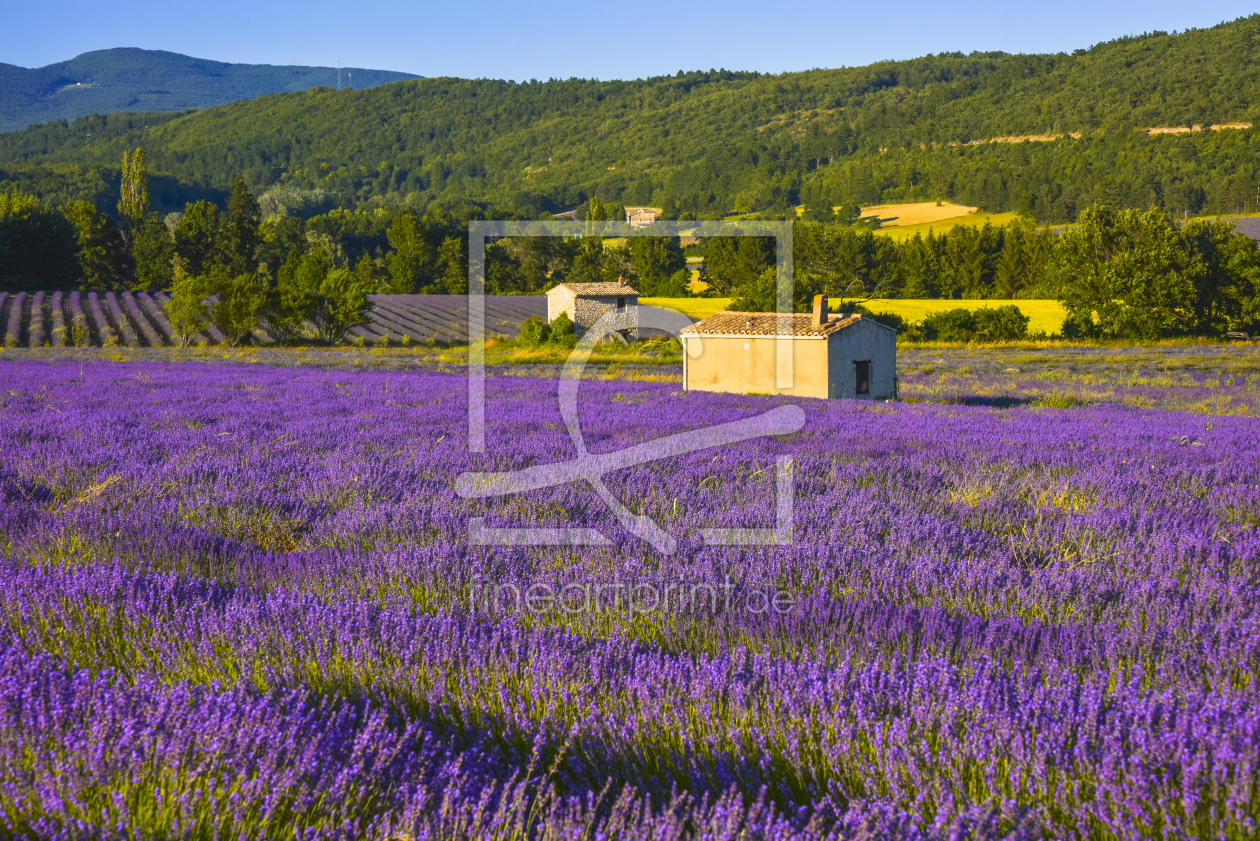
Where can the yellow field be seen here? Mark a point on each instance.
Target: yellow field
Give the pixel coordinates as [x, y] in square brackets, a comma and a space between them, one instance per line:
[1045, 316]
[694, 307]
[901, 215]
[975, 220]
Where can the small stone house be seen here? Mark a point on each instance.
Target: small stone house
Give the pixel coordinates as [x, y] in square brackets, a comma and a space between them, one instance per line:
[641, 217]
[586, 303]
[831, 356]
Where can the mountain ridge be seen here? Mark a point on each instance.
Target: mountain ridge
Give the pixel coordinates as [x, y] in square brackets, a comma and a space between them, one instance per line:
[134, 79]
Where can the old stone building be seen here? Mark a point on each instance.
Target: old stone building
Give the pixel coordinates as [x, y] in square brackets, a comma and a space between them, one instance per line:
[820, 355]
[586, 303]
[641, 217]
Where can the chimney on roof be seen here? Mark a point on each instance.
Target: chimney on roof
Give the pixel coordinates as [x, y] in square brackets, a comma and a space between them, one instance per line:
[822, 311]
[621, 281]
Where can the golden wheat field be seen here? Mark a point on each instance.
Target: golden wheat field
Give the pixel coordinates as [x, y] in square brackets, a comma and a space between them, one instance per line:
[1045, 316]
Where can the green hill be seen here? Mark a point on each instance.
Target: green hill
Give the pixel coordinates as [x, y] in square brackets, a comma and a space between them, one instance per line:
[711, 143]
[127, 79]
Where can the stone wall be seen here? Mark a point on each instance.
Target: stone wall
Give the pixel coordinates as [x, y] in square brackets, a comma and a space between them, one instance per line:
[585, 311]
[590, 310]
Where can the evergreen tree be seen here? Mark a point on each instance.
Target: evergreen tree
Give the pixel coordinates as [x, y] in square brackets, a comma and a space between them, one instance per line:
[410, 254]
[1009, 277]
[152, 249]
[199, 239]
[102, 255]
[287, 307]
[655, 260]
[241, 237]
[374, 274]
[38, 245]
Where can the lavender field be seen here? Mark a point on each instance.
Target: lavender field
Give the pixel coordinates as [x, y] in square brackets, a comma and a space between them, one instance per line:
[242, 601]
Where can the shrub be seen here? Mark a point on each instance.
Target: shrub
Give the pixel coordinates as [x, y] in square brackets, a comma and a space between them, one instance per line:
[1076, 327]
[1001, 324]
[676, 285]
[534, 331]
[78, 332]
[957, 325]
[889, 319]
[562, 332]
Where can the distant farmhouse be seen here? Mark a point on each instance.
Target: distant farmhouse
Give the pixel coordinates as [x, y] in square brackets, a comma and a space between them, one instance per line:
[641, 217]
[586, 303]
[845, 356]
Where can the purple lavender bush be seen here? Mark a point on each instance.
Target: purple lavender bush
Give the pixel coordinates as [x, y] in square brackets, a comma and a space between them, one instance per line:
[243, 602]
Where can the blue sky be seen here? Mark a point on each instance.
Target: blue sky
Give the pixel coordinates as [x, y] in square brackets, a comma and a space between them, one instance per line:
[523, 40]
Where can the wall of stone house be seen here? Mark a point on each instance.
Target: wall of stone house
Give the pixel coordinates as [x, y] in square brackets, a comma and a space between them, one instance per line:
[559, 300]
[590, 310]
[864, 341]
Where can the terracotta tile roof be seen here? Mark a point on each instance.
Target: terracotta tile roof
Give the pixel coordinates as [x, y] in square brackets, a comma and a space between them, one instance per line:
[765, 324]
[600, 290]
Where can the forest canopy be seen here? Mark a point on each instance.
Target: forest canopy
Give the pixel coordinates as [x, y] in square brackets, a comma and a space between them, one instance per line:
[710, 143]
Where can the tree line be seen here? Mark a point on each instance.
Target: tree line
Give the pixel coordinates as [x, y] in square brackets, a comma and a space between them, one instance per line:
[1121, 272]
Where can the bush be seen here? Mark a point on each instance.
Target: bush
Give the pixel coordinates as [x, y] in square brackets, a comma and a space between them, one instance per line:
[1075, 327]
[990, 325]
[888, 319]
[534, 331]
[562, 332]
[957, 325]
[676, 285]
[1002, 324]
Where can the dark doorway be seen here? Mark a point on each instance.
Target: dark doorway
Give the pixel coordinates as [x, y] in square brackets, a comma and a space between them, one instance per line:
[863, 370]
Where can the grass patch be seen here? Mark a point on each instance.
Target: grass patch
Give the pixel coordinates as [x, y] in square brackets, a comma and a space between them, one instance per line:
[1058, 401]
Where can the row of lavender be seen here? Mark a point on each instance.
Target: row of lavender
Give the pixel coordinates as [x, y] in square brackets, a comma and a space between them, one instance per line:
[88, 319]
[246, 601]
[108, 319]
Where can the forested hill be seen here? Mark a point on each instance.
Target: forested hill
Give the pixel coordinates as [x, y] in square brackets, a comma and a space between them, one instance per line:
[127, 79]
[708, 143]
